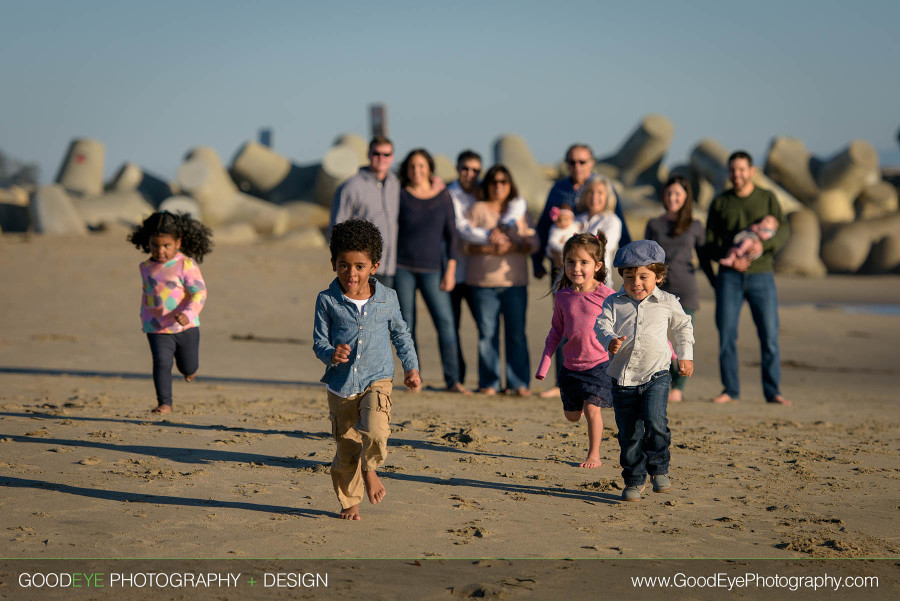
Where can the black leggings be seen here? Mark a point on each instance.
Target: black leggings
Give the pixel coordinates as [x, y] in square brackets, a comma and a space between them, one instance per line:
[184, 348]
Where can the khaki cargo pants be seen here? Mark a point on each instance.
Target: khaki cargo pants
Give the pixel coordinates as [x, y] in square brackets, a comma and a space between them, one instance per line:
[360, 428]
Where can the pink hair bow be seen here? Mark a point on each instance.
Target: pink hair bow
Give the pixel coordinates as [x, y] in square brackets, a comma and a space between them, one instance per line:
[554, 214]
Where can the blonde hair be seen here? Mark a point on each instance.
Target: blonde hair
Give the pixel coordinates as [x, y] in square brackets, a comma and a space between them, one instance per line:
[589, 185]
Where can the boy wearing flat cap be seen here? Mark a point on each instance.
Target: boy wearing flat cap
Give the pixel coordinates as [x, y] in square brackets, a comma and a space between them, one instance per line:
[634, 327]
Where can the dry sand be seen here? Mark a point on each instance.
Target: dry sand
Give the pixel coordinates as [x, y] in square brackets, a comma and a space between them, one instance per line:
[241, 468]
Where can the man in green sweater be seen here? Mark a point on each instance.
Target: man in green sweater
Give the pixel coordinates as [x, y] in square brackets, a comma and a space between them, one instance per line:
[749, 278]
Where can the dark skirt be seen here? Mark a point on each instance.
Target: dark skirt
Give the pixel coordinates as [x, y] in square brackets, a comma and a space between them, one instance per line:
[593, 386]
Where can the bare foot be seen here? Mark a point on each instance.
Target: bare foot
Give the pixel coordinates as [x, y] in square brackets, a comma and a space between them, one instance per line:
[523, 391]
[350, 513]
[162, 408]
[780, 400]
[675, 396]
[191, 377]
[458, 387]
[550, 393]
[724, 398]
[488, 391]
[591, 461]
[374, 487]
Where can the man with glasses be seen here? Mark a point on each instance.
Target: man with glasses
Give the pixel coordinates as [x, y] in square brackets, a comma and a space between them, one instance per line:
[463, 192]
[373, 194]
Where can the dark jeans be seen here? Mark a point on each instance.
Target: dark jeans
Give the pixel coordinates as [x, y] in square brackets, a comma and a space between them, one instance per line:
[512, 303]
[184, 348]
[438, 302]
[643, 428]
[758, 289]
[678, 381]
[461, 291]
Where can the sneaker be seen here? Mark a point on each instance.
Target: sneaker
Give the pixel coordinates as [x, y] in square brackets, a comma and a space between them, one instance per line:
[632, 493]
[661, 483]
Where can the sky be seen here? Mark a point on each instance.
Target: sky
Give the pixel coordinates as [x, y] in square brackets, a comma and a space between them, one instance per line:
[151, 80]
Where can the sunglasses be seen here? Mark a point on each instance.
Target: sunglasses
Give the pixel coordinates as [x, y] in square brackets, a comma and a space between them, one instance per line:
[473, 169]
[498, 182]
[573, 162]
[381, 154]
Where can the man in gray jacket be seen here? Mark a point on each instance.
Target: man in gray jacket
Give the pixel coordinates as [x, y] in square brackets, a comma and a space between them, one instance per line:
[373, 194]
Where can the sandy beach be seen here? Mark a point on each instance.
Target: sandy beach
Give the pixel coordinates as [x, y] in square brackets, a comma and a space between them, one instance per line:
[240, 469]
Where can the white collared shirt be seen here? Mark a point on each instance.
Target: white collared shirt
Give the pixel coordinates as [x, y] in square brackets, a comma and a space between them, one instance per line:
[646, 326]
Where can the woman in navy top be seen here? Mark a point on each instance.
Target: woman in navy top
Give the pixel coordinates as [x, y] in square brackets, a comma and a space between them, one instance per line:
[426, 257]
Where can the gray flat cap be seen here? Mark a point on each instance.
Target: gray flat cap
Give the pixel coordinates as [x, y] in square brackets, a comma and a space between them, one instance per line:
[639, 252]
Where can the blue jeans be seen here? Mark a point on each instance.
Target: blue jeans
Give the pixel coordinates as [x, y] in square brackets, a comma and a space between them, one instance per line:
[510, 302]
[441, 309]
[643, 428]
[732, 288]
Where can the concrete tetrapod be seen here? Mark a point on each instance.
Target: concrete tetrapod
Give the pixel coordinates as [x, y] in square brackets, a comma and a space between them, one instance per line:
[512, 150]
[131, 177]
[52, 212]
[850, 170]
[338, 165]
[800, 256]
[203, 177]
[260, 171]
[833, 206]
[848, 245]
[878, 200]
[789, 164]
[123, 208]
[643, 149]
[81, 172]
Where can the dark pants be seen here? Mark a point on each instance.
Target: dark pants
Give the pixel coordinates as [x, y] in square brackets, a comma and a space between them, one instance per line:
[461, 291]
[643, 428]
[184, 348]
[439, 306]
[386, 280]
[678, 381]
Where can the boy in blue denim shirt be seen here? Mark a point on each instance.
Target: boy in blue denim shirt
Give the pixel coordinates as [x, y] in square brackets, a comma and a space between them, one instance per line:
[357, 320]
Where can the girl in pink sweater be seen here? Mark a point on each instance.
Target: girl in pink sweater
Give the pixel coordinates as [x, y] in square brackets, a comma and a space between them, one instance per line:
[579, 291]
[173, 295]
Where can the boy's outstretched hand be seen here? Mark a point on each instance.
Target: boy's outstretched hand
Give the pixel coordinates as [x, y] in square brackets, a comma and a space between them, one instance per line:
[615, 344]
[341, 354]
[685, 367]
[412, 380]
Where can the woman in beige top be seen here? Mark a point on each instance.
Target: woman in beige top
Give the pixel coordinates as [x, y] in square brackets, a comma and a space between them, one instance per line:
[498, 275]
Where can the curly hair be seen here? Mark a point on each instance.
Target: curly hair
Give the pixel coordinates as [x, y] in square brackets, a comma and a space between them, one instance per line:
[196, 238]
[595, 246]
[356, 235]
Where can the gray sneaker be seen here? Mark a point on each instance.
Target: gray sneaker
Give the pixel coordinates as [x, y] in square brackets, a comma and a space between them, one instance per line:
[633, 493]
[661, 483]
